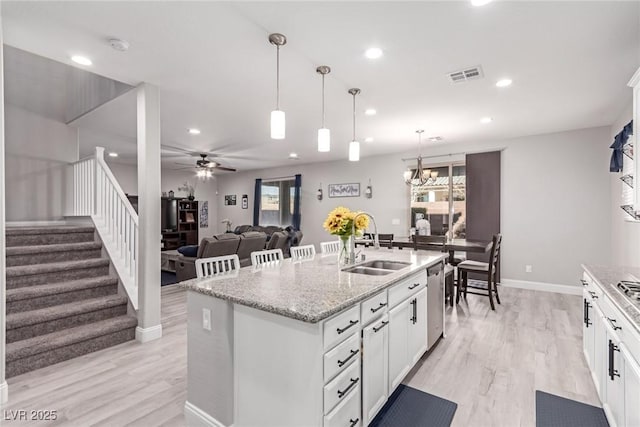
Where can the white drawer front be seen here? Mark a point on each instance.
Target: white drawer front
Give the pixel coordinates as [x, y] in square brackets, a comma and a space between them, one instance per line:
[338, 359]
[338, 389]
[347, 413]
[373, 308]
[590, 285]
[341, 326]
[406, 288]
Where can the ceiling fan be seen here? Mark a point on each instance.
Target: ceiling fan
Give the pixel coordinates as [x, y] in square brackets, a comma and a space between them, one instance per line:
[203, 164]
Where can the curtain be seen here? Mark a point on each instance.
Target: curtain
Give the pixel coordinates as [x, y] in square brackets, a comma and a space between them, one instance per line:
[257, 194]
[296, 201]
[619, 141]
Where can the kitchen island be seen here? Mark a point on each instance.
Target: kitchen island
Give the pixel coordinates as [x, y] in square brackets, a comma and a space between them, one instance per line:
[306, 343]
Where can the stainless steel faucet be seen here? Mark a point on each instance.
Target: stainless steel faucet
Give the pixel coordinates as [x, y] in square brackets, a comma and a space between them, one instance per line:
[376, 242]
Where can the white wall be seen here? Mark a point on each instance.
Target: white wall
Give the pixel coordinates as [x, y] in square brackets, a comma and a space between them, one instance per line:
[555, 199]
[37, 153]
[172, 180]
[625, 235]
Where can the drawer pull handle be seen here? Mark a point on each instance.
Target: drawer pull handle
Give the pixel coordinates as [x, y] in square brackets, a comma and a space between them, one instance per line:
[351, 323]
[349, 387]
[380, 307]
[382, 325]
[342, 362]
[613, 324]
[584, 282]
[415, 285]
[593, 295]
[353, 422]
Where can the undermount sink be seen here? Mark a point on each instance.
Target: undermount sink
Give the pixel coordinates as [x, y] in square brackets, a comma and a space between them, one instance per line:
[368, 271]
[386, 265]
[377, 267]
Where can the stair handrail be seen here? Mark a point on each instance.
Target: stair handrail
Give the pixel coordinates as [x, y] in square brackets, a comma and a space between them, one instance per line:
[114, 181]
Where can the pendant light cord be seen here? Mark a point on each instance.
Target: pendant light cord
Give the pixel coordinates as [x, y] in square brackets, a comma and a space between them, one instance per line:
[277, 77]
[323, 101]
[354, 117]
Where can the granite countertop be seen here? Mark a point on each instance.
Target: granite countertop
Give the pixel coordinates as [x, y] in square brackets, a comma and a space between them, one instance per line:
[309, 290]
[607, 277]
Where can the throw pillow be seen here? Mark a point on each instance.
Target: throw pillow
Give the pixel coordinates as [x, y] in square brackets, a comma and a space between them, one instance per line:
[189, 251]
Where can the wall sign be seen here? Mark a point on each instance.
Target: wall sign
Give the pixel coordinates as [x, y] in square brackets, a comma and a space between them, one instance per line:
[230, 200]
[245, 201]
[344, 190]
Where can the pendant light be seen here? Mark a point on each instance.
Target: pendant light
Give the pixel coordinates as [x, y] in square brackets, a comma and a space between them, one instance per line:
[277, 116]
[419, 176]
[324, 134]
[354, 146]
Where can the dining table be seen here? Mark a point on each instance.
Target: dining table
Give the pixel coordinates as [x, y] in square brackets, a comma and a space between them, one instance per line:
[452, 246]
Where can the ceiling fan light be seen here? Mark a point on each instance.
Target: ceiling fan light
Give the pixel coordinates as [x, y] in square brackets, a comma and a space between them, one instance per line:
[354, 151]
[324, 140]
[277, 124]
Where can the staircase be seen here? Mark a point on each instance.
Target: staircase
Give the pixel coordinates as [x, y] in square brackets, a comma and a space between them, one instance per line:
[61, 300]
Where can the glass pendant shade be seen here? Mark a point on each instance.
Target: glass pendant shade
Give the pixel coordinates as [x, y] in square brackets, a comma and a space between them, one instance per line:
[324, 140]
[354, 151]
[277, 124]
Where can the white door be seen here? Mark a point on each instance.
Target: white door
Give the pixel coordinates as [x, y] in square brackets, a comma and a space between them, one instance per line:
[375, 368]
[588, 328]
[631, 389]
[417, 326]
[398, 337]
[614, 389]
[600, 351]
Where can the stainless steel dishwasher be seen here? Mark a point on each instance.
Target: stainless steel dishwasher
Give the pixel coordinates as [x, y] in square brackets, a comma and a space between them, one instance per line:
[435, 303]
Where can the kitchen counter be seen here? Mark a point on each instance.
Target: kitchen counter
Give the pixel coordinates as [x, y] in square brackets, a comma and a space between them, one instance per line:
[607, 278]
[309, 290]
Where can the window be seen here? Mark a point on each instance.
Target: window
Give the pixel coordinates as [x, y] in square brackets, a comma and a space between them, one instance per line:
[277, 202]
[440, 196]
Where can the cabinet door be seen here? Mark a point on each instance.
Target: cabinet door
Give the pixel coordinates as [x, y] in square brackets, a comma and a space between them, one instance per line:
[417, 326]
[588, 329]
[375, 368]
[631, 389]
[600, 351]
[398, 339]
[614, 388]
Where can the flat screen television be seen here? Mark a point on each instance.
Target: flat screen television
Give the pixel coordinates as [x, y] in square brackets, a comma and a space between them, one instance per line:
[169, 212]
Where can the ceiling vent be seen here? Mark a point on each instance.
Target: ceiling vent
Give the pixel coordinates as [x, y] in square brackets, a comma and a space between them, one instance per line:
[466, 74]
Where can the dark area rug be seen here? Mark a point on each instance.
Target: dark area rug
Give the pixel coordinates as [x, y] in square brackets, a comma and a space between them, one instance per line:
[556, 411]
[167, 278]
[410, 407]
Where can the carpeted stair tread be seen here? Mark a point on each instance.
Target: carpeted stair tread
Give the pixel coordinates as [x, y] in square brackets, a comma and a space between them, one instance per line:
[44, 343]
[62, 229]
[54, 267]
[38, 291]
[59, 247]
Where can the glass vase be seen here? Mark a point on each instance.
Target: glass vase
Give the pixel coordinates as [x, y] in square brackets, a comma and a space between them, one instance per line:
[345, 251]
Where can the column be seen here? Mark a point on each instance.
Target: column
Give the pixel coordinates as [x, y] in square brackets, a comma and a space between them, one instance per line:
[149, 321]
[4, 392]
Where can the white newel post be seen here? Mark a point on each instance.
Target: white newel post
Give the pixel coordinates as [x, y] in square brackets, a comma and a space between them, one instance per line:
[4, 392]
[149, 321]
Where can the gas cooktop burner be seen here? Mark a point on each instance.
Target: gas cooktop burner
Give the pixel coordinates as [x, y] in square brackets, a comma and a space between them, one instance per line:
[630, 289]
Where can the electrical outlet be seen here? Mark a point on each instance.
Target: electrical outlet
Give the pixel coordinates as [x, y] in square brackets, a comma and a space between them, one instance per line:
[206, 319]
[528, 268]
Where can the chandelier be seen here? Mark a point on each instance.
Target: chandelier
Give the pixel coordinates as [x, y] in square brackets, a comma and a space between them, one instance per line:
[419, 176]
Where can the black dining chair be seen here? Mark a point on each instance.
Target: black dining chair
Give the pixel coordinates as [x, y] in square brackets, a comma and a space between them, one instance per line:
[385, 240]
[488, 268]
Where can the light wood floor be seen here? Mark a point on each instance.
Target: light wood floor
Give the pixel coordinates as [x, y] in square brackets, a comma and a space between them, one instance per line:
[491, 363]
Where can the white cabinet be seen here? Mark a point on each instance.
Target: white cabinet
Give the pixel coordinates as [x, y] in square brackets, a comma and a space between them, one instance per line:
[600, 353]
[631, 388]
[398, 344]
[417, 327]
[614, 387]
[588, 328]
[375, 368]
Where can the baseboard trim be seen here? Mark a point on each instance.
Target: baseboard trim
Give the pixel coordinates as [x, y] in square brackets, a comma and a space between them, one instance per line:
[35, 223]
[196, 417]
[542, 286]
[148, 334]
[4, 393]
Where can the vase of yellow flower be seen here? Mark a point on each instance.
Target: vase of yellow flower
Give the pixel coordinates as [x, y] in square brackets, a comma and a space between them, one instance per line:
[340, 222]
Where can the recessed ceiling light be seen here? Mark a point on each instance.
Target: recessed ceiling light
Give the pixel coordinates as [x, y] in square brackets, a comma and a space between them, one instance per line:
[373, 53]
[113, 154]
[368, 139]
[504, 82]
[486, 120]
[293, 156]
[194, 131]
[370, 112]
[82, 60]
[480, 2]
